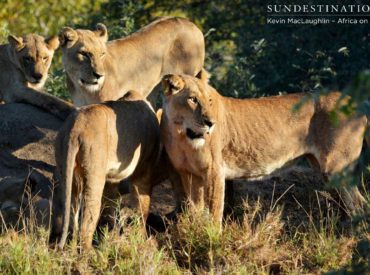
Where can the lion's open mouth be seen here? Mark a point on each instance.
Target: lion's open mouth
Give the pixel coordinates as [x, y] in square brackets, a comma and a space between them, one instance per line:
[192, 135]
[35, 81]
[84, 82]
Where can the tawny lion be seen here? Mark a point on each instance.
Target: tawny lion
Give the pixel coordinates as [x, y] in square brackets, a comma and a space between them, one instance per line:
[99, 146]
[24, 66]
[98, 71]
[210, 138]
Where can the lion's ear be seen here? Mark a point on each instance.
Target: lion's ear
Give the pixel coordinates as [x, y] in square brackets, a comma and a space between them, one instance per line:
[101, 31]
[67, 37]
[172, 84]
[16, 42]
[203, 75]
[52, 43]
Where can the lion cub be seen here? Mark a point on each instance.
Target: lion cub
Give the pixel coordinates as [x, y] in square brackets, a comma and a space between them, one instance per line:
[99, 146]
[24, 64]
[210, 138]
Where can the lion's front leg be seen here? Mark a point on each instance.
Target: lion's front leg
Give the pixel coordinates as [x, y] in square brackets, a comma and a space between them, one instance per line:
[193, 187]
[206, 192]
[216, 194]
[56, 106]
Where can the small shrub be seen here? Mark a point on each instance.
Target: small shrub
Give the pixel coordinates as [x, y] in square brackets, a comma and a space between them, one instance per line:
[56, 85]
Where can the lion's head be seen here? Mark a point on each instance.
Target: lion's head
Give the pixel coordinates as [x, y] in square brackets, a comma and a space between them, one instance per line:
[84, 52]
[32, 54]
[188, 105]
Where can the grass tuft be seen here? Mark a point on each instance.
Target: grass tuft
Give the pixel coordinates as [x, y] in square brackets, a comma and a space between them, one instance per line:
[258, 241]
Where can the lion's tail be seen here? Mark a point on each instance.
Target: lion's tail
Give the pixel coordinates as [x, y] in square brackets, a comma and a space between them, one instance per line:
[67, 178]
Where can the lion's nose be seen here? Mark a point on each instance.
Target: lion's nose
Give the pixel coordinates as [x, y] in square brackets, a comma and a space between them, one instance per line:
[97, 75]
[208, 123]
[37, 76]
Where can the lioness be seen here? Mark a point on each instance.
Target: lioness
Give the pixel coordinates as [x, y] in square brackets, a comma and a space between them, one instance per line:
[24, 64]
[210, 138]
[98, 71]
[97, 147]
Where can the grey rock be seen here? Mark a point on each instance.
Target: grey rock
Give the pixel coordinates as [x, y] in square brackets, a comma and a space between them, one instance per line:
[27, 163]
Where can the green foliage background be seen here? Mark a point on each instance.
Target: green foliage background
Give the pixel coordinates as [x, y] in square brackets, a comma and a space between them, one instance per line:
[246, 56]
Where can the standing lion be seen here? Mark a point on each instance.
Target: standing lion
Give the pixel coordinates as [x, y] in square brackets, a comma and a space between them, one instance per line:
[210, 138]
[99, 146]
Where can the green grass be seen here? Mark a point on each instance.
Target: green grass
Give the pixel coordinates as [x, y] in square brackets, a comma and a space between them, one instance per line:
[257, 242]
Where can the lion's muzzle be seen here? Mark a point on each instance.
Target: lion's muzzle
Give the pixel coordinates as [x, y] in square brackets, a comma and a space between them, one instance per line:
[193, 135]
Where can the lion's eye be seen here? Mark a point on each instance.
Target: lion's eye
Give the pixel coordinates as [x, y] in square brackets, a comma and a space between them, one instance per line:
[45, 58]
[84, 54]
[102, 55]
[193, 100]
[27, 59]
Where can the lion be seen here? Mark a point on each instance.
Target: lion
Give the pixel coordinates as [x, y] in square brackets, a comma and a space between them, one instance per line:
[98, 71]
[210, 138]
[25, 62]
[99, 146]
